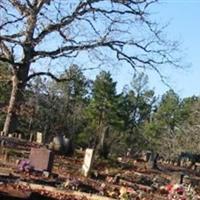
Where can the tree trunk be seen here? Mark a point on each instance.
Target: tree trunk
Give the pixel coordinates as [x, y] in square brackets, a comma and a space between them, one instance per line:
[16, 98]
[152, 163]
[103, 147]
[11, 119]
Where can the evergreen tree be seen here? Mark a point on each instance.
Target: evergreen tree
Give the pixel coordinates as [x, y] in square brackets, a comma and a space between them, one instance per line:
[102, 112]
[163, 131]
[136, 108]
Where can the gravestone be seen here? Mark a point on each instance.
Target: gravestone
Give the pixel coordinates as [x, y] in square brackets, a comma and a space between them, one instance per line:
[1, 133]
[61, 145]
[41, 159]
[19, 136]
[67, 146]
[87, 163]
[146, 155]
[58, 143]
[10, 135]
[39, 138]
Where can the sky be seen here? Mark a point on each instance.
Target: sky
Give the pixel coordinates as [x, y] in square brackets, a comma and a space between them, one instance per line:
[183, 17]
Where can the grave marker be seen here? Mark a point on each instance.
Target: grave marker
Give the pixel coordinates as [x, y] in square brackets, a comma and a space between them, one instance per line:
[41, 159]
[87, 164]
[39, 138]
[19, 136]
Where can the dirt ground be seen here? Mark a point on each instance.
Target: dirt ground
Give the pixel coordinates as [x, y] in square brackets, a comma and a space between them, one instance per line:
[124, 178]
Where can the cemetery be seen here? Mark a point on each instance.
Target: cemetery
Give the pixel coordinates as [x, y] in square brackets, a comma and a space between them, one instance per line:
[98, 101]
[29, 170]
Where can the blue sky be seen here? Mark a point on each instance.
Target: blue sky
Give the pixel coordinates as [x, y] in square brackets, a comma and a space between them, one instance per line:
[184, 18]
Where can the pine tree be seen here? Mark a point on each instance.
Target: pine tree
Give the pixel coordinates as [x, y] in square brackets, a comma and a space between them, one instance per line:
[102, 111]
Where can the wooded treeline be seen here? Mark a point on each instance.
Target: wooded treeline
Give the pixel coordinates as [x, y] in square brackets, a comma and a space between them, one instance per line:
[94, 114]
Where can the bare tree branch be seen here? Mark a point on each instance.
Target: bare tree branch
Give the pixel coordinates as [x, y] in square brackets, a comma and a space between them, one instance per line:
[49, 74]
[38, 27]
[121, 30]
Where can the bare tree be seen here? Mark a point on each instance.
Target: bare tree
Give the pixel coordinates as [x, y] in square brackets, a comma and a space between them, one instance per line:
[36, 31]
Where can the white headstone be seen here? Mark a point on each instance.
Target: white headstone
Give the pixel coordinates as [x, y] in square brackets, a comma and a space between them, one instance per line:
[1, 133]
[10, 135]
[87, 163]
[39, 138]
[19, 136]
